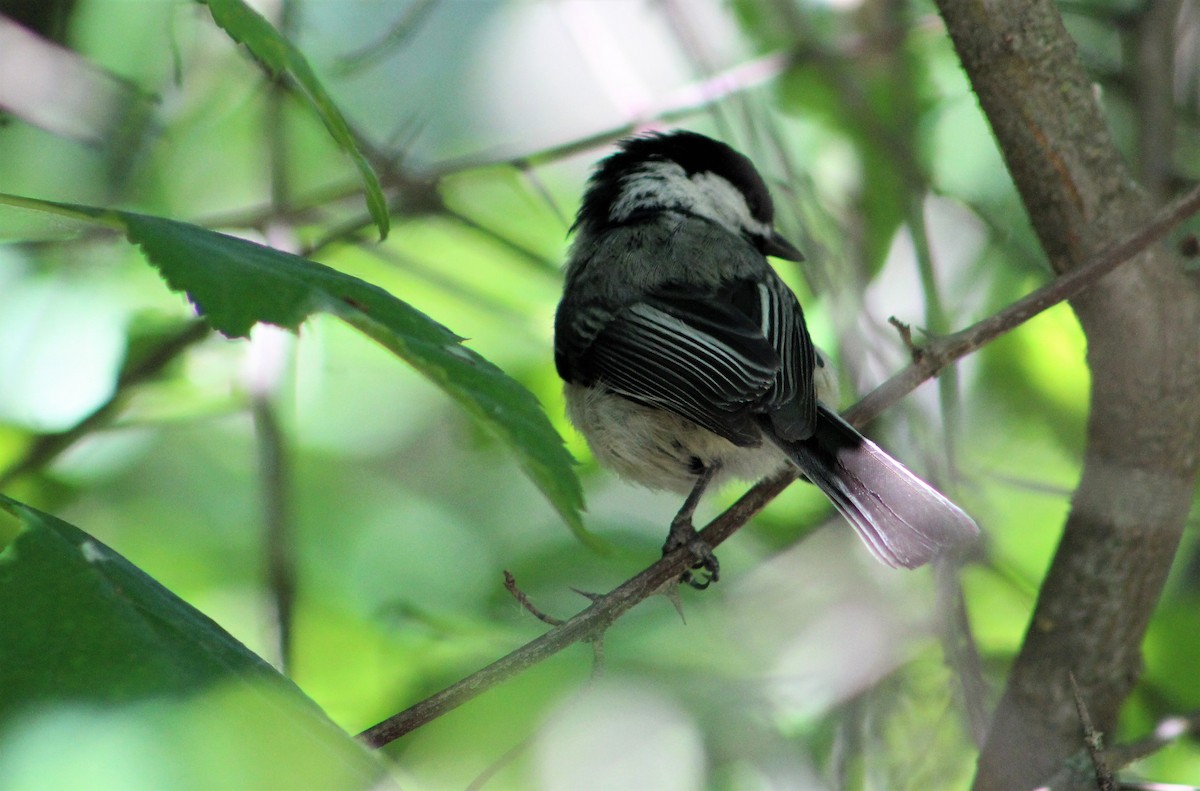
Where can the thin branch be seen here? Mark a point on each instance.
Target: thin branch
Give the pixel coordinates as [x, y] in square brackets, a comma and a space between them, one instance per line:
[437, 276]
[1165, 733]
[494, 768]
[510, 585]
[906, 337]
[401, 31]
[276, 499]
[272, 454]
[684, 102]
[47, 447]
[539, 262]
[591, 622]
[1093, 741]
[942, 351]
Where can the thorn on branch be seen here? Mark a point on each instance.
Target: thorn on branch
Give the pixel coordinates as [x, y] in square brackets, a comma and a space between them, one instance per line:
[1094, 741]
[597, 639]
[671, 591]
[905, 331]
[510, 584]
[1165, 733]
[592, 597]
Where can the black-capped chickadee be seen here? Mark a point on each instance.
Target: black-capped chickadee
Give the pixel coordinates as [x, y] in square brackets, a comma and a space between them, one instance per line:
[687, 361]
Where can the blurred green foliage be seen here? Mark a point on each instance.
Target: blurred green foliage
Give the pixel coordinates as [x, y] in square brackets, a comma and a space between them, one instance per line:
[807, 667]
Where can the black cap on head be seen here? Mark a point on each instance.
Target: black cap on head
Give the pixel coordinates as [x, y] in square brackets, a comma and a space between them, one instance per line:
[693, 152]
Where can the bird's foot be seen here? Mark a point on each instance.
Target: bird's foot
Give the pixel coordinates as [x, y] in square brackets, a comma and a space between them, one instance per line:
[683, 534]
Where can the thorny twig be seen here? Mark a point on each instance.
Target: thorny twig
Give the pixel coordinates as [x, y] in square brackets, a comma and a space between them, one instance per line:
[941, 352]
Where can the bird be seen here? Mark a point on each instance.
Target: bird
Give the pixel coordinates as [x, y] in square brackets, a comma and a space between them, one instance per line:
[686, 360]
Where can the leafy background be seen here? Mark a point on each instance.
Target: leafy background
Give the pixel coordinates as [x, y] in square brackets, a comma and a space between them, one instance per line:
[806, 667]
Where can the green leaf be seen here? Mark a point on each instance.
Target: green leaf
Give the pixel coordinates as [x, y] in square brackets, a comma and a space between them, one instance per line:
[246, 26]
[91, 626]
[235, 284]
[95, 652]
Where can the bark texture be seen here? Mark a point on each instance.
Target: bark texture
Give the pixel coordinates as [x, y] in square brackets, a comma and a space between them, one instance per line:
[1142, 325]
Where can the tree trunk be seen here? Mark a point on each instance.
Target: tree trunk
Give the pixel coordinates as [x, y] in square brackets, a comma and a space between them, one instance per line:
[1142, 325]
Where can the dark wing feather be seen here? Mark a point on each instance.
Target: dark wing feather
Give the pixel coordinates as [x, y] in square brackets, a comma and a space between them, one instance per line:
[684, 351]
[791, 407]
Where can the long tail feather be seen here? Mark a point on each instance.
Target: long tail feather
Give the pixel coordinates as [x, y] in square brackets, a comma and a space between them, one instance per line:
[902, 520]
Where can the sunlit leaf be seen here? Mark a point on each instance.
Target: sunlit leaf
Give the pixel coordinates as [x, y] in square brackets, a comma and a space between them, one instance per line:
[236, 284]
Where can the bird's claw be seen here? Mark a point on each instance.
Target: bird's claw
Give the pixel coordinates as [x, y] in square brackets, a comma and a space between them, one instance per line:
[683, 534]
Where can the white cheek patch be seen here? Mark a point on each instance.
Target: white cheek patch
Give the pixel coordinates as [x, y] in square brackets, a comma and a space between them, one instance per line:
[719, 200]
[655, 185]
[664, 185]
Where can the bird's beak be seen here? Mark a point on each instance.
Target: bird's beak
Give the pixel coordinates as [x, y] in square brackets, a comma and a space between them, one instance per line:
[779, 247]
